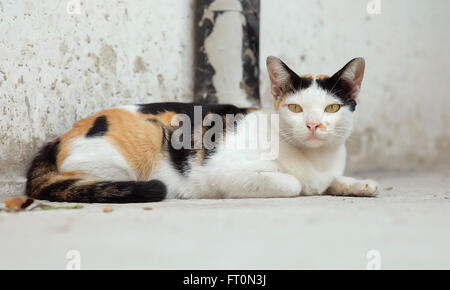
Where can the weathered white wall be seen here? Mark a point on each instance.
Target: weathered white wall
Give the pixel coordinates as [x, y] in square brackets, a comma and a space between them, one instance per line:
[403, 118]
[56, 68]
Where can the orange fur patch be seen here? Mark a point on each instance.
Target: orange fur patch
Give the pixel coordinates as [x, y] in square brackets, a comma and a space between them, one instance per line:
[251, 110]
[306, 76]
[76, 173]
[321, 77]
[138, 140]
[279, 102]
[322, 127]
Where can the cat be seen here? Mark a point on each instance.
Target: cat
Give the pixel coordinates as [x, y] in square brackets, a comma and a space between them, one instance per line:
[133, 154]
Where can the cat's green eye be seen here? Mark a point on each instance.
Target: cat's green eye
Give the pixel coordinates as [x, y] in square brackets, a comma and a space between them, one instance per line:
[295, 108]
[333, 108]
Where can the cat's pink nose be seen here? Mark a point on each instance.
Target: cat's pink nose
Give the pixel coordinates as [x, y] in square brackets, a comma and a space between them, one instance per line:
[312, 126]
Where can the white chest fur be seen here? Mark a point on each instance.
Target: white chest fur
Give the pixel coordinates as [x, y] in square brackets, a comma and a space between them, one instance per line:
[315, 168]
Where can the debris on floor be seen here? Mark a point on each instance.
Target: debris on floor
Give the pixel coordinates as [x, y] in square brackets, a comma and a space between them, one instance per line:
[18, 203]
[108, 208]
[50, 207]
[23, 203]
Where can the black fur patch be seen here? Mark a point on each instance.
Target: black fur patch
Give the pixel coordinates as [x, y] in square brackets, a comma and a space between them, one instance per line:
[180, 157]
[121, 192]
[148, 191]
[188, 109]
[43, 163]
[339, 88]
[54, 191]
[105, 192]
[45, 157]
[50, 151]
[99, 128]
[297, 83]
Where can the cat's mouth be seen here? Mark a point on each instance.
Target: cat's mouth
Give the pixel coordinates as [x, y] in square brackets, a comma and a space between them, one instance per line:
[314, 137]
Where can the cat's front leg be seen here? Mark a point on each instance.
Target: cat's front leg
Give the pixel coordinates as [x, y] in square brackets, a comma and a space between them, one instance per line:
[348, 186]
[277, 184]
[264, 185]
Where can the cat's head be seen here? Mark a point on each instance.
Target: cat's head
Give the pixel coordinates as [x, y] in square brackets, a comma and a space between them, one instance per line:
[315, 111]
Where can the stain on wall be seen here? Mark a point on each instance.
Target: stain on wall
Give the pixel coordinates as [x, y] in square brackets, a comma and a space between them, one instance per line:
[227, 46]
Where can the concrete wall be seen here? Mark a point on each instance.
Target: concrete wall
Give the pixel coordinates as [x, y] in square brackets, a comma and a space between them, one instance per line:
[403, 117]
[56, 68]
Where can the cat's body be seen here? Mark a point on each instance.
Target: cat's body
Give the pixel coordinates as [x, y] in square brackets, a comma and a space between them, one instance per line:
[132, 153]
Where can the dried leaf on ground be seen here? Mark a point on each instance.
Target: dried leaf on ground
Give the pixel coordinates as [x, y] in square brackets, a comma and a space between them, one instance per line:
[147, 208]
[51, 207]
[18, 203]
[22, 203]
[108, 208]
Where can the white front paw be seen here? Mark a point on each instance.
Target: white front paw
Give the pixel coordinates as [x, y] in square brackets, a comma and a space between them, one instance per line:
[309, 190]
[352, 187]
[364, 188]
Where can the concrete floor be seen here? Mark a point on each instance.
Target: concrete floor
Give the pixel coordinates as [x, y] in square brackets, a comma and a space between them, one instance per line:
[408, 224]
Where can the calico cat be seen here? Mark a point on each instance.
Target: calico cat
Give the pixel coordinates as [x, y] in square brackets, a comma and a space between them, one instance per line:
[133, 153]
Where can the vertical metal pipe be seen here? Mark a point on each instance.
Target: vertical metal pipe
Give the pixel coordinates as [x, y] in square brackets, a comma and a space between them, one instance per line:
[227, 52]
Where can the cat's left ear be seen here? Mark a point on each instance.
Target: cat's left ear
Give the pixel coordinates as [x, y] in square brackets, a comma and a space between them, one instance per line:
[352, 74]
[281, 76]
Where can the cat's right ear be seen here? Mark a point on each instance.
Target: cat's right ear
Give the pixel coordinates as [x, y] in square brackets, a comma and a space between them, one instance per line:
[281, 76]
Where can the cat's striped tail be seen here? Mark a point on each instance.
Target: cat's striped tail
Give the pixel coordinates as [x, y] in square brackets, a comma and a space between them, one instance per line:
[45, 182]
